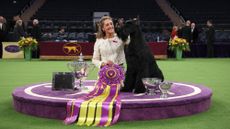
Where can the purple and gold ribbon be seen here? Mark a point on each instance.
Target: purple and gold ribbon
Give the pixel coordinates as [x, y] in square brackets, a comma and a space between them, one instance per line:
[74, 106]
[101, 107]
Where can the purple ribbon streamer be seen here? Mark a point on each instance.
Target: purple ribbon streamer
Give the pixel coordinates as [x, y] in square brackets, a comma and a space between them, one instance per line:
[117, 110]
[105, 106]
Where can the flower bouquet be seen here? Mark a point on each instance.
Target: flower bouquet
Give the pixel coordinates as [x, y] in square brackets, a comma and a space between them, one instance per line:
[28, 44]
[178, 45]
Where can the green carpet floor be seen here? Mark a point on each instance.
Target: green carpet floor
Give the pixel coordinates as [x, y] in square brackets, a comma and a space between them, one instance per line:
[213, 73]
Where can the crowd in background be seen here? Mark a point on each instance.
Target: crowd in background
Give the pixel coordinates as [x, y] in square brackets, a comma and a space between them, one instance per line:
[18, 29]
[190, 32]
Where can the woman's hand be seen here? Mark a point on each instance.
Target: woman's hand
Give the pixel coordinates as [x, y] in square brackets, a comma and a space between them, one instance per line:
[109, 62]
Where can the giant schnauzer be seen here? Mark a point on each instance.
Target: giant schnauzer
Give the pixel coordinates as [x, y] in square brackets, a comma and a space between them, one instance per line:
[139, 58]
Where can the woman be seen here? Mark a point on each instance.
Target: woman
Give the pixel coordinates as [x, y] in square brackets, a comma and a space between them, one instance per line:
[174, 33]
[18, 30]
[108, 48]
[96, 109]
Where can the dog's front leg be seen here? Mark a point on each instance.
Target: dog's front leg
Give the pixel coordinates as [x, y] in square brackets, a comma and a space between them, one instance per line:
[129, 83]
[139, 86]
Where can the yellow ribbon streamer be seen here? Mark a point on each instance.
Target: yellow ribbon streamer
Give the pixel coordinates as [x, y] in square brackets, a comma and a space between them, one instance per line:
[90, 105]
[111, 107]
[93, 105]
[83, 110]
[72, 108]
[99, 107]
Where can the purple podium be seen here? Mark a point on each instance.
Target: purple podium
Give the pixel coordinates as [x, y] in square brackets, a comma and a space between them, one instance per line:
[184, 99]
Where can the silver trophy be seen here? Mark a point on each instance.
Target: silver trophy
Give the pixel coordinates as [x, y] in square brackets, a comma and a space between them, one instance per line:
[164, 87]
[151, 85]
[80, 68]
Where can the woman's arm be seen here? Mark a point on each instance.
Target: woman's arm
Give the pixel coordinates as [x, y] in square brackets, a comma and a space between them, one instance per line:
[96, 54]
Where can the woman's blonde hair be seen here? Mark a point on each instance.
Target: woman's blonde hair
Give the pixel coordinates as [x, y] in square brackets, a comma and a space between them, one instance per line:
[100, 32]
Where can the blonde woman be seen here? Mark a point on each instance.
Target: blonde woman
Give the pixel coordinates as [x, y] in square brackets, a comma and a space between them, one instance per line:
[18, 30]
[108, 48]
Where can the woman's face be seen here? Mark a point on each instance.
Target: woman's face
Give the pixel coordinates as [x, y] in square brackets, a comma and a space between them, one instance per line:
[108, 27]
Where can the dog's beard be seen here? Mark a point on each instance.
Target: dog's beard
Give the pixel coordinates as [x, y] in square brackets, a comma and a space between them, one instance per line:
[124, 38]
[122, 34]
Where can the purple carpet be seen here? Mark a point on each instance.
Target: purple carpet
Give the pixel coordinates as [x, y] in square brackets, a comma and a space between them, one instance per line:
[184, 99]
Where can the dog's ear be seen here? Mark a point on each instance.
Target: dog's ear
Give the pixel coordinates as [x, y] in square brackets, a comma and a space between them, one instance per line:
[129, 22]
[136, 21]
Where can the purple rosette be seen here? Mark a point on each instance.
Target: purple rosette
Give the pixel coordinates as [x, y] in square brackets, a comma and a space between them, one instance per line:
[111, 74]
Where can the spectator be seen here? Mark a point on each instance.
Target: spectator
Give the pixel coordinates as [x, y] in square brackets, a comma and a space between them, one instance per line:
[210, 38]
[36, 33]
[194, 38]
[62, 35]
[3, 32]
[36, 30]
[174, 32]
[3, 24]
[18, 30]
[186, 31]
[194, 33]
[13, 23]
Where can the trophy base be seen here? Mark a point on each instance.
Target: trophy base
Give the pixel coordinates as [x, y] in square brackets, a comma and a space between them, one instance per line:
[164, 96]
[150, 92]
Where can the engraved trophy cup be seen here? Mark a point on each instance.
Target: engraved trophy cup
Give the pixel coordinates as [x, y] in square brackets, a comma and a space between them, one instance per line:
[164, 87]
[80, 68]
[151, 85]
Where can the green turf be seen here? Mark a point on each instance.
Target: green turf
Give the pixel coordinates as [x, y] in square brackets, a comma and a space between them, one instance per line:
[213, 73]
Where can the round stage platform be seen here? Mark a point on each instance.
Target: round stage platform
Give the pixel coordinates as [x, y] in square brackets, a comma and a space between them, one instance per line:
[184, 99]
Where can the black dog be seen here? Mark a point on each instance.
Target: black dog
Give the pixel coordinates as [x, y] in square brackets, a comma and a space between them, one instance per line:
[140, 60]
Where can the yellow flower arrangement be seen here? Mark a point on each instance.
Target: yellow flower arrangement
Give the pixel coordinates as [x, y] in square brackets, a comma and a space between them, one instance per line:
[179, 43]
[28, 42]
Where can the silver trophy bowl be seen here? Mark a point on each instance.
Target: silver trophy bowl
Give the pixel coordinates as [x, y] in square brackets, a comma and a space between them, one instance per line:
[151, 85]
[164, 87]
[80, 68]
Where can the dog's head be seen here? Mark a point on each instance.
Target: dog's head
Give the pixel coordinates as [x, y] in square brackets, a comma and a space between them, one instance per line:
[129, 28]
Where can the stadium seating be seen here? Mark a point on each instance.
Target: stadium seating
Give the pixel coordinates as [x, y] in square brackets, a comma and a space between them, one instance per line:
[83, 10]
[10, 8]
[202, 10]
[76, 17]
